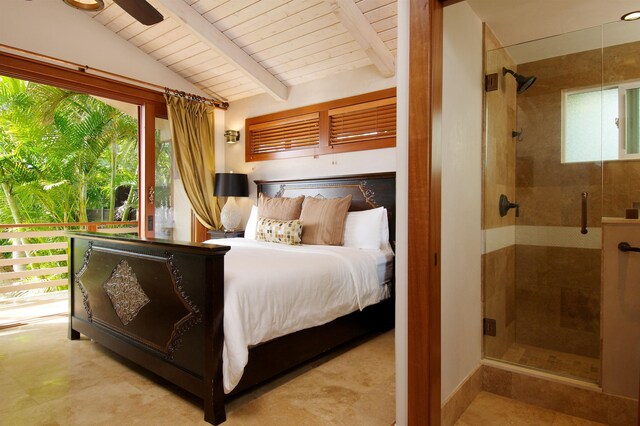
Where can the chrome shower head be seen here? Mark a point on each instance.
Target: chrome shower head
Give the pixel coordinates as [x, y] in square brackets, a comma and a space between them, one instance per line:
[523, 82]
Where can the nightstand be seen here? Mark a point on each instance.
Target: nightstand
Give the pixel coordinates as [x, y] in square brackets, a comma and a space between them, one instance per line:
[225, 234]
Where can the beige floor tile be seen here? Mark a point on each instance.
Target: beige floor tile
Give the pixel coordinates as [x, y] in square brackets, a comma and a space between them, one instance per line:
[564, 420]
[46, 379]
[373, 409]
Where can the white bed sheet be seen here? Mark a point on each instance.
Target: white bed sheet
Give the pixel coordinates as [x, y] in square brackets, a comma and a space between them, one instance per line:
[275, 289]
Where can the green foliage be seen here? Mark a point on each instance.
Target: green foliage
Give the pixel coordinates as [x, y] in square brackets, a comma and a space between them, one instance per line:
[56, 157]
[55, 152]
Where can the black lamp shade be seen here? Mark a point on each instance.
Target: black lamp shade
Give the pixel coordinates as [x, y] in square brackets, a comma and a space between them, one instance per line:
[231, 185]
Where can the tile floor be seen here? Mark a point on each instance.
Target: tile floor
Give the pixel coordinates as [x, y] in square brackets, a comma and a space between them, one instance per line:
[46, 379]
[488, 409]
[566, 364]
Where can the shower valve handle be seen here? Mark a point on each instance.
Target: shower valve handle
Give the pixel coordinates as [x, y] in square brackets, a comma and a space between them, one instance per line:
[505, 205]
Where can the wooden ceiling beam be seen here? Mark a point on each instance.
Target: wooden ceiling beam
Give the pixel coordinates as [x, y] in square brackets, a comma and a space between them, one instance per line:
[362, 31]
[221, 44]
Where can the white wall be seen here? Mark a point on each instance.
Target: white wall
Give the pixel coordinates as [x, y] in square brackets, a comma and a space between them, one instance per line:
[461, 196]
[351, 83]
[50, 27]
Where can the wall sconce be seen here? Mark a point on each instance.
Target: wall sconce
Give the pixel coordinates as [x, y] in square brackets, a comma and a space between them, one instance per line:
[232, 136]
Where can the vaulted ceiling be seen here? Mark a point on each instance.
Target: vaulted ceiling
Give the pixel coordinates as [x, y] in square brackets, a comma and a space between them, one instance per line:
[239, 48]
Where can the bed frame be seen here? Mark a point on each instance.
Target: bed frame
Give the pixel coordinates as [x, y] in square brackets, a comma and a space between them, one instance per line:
[179, 333]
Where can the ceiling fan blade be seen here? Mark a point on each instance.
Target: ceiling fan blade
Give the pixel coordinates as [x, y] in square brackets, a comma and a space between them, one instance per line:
[141, 10]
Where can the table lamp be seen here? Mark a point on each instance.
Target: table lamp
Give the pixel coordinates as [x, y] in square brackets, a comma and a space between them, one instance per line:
[230, 185]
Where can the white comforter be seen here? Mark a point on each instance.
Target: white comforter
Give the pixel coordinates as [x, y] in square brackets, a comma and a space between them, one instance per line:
[274, 289]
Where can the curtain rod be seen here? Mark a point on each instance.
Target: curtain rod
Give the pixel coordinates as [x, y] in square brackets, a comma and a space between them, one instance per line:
[215, 102]
[196, 98]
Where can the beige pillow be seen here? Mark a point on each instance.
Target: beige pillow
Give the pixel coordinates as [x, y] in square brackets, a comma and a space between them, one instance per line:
[281, 208]
[279, 231]
[323, 220]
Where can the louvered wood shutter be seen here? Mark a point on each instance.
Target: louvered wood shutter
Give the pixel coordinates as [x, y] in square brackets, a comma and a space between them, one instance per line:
[370, 122]
[289, 134]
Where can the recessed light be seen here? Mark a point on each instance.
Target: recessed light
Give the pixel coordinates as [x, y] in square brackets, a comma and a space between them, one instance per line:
[87, 5]
[631, 16]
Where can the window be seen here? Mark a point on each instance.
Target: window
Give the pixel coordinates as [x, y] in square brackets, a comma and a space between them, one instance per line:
[367, 122]
[351, 124]
[601, 124]
[289, 134]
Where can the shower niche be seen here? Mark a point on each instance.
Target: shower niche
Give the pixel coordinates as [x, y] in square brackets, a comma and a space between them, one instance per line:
[561, 151]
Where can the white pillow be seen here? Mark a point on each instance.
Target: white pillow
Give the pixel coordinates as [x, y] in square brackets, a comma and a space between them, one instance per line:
[385, 244]
[252, 223]
[364, 229]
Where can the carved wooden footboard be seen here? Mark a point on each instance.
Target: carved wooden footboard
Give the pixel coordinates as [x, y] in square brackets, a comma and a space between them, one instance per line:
[157, 303]
[160, 304]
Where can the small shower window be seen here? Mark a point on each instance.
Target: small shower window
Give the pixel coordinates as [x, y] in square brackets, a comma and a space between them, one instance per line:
[590, 131]
[601, 124]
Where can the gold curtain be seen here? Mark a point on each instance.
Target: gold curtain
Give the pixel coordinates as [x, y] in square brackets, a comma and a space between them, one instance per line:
[193, 146]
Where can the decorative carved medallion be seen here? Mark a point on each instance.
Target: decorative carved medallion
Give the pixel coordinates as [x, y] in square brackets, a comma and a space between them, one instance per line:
[369, 195]
[78, 280]
[125, 292]
[280, 192]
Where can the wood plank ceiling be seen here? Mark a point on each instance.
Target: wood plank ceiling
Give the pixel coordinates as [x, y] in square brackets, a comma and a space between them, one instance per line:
[296, 41]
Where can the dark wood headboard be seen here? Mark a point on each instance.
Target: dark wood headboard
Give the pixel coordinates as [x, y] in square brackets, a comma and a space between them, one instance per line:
[368, 191]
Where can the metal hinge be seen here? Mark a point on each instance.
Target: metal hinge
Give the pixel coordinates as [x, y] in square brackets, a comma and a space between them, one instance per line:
[491, 82]
[489, 327]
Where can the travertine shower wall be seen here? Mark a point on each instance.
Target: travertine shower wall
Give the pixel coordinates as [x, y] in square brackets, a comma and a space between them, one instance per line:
[558, 286]
[558, 281]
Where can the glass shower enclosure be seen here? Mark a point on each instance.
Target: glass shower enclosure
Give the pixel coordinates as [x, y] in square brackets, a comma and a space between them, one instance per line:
[559, 155]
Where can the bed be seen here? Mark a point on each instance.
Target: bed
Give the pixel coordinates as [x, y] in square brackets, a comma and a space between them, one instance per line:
[161, 304]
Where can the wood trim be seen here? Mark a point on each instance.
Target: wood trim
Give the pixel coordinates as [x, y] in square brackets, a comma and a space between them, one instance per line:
[79, 81]
[366, 97]
[147, 172]
[322, 109]
[199, 232]
[151, 105]
[425, 105]
[446, 3]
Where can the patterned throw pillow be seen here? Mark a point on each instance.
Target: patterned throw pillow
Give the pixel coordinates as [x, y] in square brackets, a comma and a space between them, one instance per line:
[279, 231]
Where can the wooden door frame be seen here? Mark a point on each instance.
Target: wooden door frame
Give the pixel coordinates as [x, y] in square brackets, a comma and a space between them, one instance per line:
[424, 211]
[150, 103]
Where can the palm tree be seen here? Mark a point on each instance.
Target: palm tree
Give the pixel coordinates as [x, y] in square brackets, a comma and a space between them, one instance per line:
[92, 139]
[18, 167]
[60, 152]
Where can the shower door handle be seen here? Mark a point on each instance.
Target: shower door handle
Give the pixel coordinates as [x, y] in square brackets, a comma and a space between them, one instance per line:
[626, 247]
[583, 222]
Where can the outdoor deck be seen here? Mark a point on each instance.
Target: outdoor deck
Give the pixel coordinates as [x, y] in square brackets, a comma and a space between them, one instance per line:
[29, 309]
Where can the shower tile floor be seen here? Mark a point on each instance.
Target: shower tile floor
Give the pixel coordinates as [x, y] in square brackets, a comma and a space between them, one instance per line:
[566, 364]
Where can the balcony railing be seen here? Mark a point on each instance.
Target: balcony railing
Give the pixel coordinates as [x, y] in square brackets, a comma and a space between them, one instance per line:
[38, 252]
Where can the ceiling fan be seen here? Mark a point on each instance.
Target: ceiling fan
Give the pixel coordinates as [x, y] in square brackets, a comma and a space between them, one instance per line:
[139, 9]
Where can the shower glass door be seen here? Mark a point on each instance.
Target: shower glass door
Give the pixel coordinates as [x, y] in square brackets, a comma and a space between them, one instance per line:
[543, 189]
